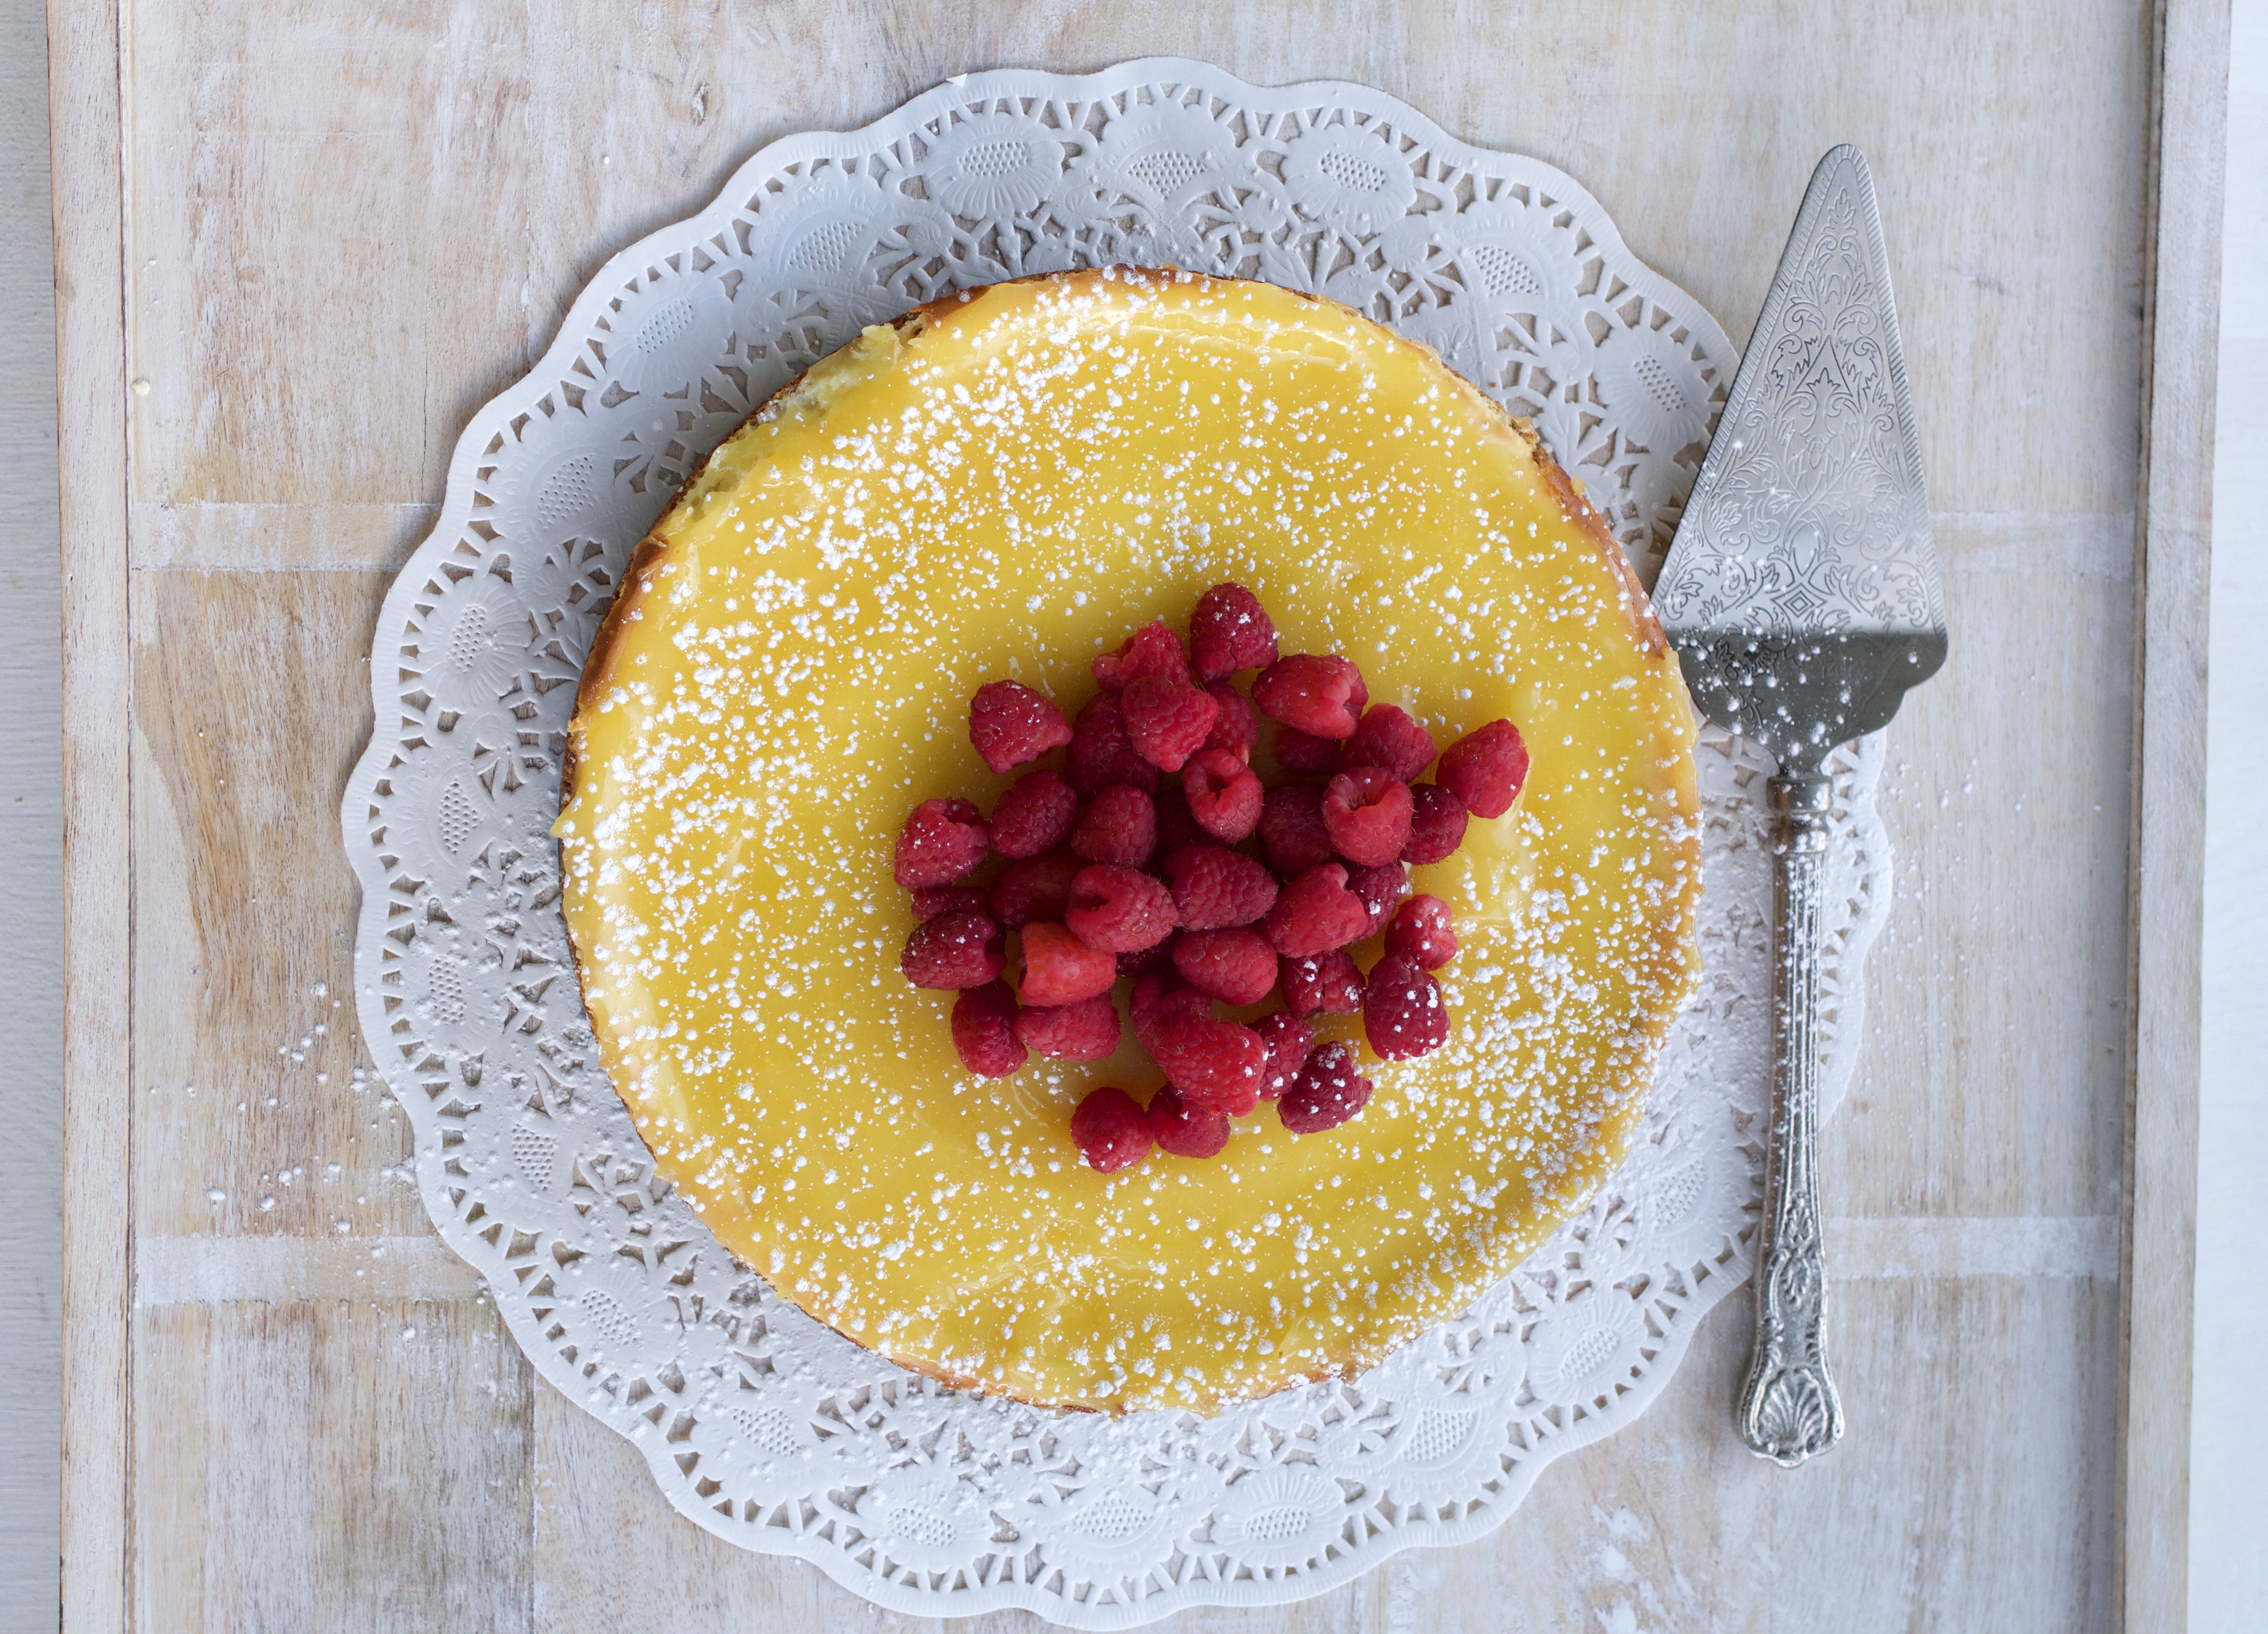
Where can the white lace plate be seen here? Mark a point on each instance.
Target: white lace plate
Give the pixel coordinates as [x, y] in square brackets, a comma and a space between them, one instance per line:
[756, 1423]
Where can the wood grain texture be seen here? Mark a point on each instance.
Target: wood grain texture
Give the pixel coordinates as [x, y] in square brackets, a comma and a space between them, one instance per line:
[254, 1110]
[2182, 306]
[1968, 1099]
[372, 1508]
[1672, 1524]
[31, 831]
[2228, 1577]
[357, 1408]
[348, 224]
[85, 116]
[534, 156]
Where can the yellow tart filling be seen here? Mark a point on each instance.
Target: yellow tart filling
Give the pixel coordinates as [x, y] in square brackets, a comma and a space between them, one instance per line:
[1002, 485]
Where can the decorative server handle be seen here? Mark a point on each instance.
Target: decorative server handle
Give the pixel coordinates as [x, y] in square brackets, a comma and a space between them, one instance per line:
[1789, 1409]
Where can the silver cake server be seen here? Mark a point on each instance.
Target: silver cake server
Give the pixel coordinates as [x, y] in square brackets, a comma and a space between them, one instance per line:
[1801, 594]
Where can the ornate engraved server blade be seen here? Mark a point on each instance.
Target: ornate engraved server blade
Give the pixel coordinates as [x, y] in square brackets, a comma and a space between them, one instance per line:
[1801, 594]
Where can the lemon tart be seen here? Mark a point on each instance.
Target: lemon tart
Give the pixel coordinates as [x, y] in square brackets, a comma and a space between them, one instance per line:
[998, 487]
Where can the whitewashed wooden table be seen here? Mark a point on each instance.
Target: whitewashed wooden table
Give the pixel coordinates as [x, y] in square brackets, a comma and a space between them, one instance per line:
[287, 1406]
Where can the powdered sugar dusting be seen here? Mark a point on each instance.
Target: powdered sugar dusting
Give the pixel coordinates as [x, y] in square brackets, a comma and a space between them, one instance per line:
[1036, 471]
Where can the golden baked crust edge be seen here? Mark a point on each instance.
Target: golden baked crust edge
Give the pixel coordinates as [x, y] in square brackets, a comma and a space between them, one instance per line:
[638, 580]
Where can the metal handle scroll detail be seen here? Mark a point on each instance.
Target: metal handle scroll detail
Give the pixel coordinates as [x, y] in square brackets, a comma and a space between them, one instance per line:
[1789, 1409]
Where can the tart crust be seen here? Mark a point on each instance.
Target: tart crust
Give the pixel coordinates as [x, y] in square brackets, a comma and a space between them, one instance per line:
[999, 484]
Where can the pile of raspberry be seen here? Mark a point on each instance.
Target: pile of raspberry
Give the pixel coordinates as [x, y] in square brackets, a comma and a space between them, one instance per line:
[1155, 855]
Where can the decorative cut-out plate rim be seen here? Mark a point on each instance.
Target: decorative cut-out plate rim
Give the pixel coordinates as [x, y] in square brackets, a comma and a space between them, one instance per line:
[416, 582]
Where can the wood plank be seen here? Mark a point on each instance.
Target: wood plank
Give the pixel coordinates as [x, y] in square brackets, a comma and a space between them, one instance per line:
[1995, 1059]
[464, 165]
[302, 160]
[85, 113]
[349, 224]
[256, 1108]
[314, 1369]
[2182, 312]
[2228, 1432]
[1986, 1514]
[328, 1451]
[31, 824]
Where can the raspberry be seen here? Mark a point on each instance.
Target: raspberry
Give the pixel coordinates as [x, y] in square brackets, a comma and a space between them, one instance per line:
[1402, 1014]
[1388, 737]
[1322, 984]
[1320, 694]
[1223, 794]
[1111, 1130]
[958, 950]
[1035, 815]
[1175, 826]
[1291, 827]
[1120, 825]
[984, 1030]
[1061, 969]
[1117, 910]
[1304, 755]
[1485, 768]
[1379, 889]
[1315, 913]
[1215, 888]
[1237, 727]
[1329, 1090]
[1235, 967]
[934, 902]
[1422, 933]
[1229, 631]
[1142, 961]
[1011, 724]
[941, 842]
[1166, 720]
[1215, 1064]
[1437, 824]
[1183, 1131]
[1368, 814]
[1288, 1039]
[1037, 888]
[1086, 1031]
[1153, 649]
[1158, 999]
[1101, 753]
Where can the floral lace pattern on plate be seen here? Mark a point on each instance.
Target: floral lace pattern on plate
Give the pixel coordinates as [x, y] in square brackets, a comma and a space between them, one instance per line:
[756, 1421]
